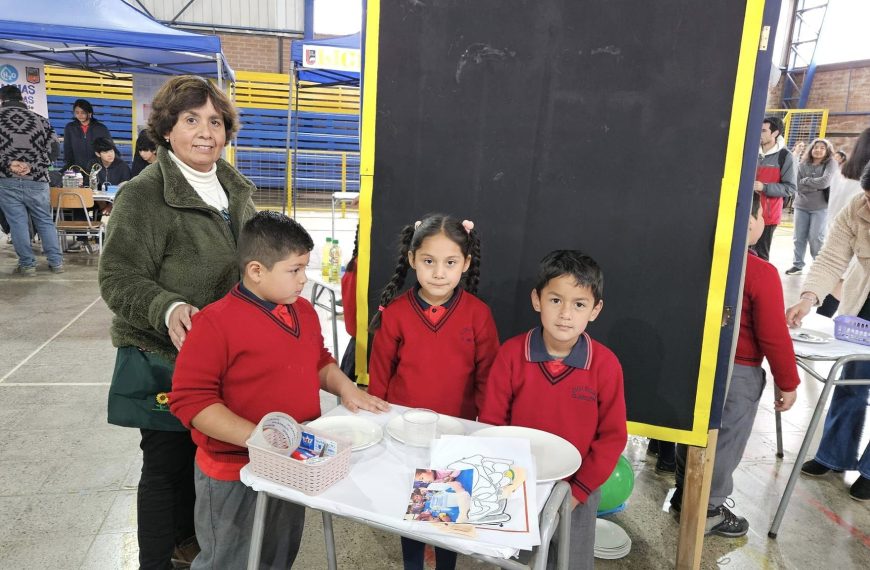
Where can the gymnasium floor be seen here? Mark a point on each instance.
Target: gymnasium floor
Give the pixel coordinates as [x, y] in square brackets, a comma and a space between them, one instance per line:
[68, 479]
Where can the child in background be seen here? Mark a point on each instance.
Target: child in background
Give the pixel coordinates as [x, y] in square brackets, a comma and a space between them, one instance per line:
[557, 379]
[257, 350]
[348, 303]
[434, 344]
[763, 333]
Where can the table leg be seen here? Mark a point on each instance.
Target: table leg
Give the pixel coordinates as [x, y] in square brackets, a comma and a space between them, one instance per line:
[257, 531]
[329, 537]
[802, 453]
[564, 532]
[778, 418]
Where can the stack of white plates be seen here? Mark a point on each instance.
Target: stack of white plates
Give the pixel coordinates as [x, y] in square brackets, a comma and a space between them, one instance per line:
[611, 542]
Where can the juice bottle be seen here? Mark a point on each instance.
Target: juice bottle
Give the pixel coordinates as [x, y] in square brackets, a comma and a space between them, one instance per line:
[324, 259]
[334, 262]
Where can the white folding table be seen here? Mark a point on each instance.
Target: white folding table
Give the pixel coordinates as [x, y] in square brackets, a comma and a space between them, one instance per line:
[352, 499]
[840, 353]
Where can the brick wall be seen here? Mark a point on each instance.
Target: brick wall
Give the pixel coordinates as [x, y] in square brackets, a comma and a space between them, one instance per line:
[250, 52]
[841, 89]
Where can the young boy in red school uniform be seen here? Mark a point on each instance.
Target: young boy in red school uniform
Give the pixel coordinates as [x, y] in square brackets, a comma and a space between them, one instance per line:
[257, 350]
[557, 379]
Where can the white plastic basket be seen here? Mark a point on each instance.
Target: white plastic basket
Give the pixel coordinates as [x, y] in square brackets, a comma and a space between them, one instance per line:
[273, 462]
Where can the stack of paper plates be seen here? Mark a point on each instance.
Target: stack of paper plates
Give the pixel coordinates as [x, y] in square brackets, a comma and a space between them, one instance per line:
[611, 542]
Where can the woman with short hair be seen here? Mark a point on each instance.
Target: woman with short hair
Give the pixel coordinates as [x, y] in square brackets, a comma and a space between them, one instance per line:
[170, 250]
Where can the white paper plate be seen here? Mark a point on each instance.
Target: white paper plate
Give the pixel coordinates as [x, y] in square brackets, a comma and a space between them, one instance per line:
[362, 433]
[555, 457]
[446, 425]
[610, 536]
[810, 336]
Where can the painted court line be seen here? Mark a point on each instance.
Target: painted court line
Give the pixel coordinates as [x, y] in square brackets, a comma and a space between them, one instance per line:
[43, 345]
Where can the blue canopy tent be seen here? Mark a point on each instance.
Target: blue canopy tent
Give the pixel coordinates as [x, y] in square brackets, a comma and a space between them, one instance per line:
[106, 36]
[321, 75]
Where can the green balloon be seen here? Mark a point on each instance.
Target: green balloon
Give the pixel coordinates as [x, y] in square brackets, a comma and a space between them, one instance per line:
[617, 489]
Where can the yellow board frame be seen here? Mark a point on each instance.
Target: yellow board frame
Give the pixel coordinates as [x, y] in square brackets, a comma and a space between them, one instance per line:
[749, 47]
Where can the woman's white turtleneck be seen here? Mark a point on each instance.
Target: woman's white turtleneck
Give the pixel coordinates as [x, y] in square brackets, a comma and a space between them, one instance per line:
[206, 184]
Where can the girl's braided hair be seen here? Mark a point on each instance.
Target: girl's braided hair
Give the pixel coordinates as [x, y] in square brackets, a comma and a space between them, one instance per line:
[410, 240]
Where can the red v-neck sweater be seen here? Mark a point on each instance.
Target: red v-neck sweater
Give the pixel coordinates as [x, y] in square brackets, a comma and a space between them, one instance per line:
[440, 366]
[586, 406]
[241, 355]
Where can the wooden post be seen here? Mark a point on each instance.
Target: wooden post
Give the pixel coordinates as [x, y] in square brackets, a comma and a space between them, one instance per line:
[696, 495]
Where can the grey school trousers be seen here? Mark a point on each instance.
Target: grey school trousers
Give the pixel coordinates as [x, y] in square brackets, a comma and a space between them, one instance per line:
[582, 549]
[738, 415]
[224, 517]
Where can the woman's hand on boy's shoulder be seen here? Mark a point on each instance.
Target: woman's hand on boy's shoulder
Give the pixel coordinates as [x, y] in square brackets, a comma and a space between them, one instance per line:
[355, 400]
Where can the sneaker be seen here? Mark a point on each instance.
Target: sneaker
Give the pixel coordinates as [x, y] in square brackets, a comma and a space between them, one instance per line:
[815, 469]
[56, 268]
[26, 270]
[75, 246]
[722, 522]
[794, 271]
[860, 490]
[676, 504]
[675, 511]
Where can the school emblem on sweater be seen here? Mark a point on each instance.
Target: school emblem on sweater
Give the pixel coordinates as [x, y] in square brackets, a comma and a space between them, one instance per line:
[161, 402]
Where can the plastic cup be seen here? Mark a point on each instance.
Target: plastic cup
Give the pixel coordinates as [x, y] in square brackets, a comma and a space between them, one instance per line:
[421, 426]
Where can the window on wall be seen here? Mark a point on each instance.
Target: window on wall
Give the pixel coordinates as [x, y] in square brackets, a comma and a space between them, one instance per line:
[337, 17]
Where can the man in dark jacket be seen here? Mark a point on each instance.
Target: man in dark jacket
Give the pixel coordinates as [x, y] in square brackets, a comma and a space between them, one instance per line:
[25, 156]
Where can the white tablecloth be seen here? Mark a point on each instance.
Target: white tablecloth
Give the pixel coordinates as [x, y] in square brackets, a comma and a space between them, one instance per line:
[378, 486]
[829, 350]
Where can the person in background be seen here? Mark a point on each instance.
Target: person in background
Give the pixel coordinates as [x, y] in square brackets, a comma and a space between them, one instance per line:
[775, 179]
[839, 447]
[79, 136]
[844, 188]
[840, 157]
[815, 173]
[145, 152]
[763, 334]
[348, 300]
[169, 251]
[798, 150]
[25, 155]
[114, 169]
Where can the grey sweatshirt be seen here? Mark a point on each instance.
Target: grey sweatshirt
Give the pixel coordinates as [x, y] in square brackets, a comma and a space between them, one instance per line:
[812, 179]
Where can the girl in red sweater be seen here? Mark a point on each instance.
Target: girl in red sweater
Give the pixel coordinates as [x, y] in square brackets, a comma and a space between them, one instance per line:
[434, 343]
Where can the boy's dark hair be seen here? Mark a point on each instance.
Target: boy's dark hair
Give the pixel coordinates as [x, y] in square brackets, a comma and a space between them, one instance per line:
[410, 240]
[756, 203]
[776, 124]
[103, 144]
[84, 105]
[145, 142]
[10, 93]
[578, 265]
[270, 237]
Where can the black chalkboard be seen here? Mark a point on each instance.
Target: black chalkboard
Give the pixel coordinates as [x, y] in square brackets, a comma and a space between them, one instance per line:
[596, 125]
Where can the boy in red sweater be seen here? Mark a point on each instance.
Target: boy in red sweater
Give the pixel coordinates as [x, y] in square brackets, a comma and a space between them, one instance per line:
[763, 334]
[257, 350]
[557, 379]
